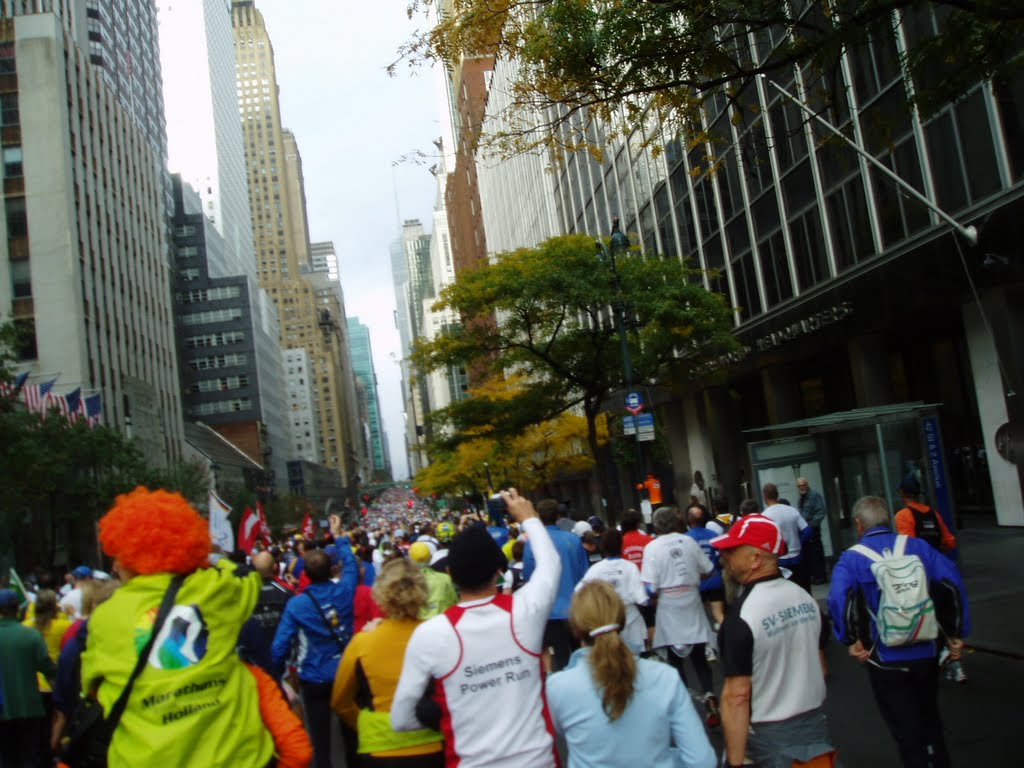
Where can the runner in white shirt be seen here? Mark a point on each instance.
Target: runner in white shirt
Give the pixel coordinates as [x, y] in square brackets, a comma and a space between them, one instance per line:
[482, 657]
[792, 525]
[625, 577]
[673, 567]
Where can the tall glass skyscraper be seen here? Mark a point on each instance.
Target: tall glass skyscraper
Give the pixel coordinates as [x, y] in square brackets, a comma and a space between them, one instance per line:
[362, 362]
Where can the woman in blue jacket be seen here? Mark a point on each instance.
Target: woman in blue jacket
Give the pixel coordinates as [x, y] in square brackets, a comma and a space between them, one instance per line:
[615, 709]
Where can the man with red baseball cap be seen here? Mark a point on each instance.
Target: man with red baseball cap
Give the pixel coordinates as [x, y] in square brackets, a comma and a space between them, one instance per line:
[769, 650]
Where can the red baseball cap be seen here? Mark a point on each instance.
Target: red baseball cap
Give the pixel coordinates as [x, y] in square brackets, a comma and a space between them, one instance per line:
[756, 531]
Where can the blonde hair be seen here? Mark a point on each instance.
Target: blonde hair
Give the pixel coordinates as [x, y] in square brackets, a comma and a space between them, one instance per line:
[400, 590]
[597, 607]
[96, 592]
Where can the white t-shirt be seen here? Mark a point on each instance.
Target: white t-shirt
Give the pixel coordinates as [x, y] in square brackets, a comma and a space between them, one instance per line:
[625, 577]
[771, 634]
[72, 603]
[790, 523]
[482, 658]
[673, 565]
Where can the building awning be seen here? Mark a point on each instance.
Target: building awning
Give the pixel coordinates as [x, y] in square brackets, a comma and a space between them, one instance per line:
[859, 417]
[217, 448]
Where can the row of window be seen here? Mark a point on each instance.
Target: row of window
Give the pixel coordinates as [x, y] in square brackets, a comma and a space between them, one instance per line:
[217, 361]
[208, 294]
[212, 316]
[221, 406]
[223, 384]
[214, 339]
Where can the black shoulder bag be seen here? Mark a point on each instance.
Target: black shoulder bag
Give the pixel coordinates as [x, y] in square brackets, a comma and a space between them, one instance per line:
[89, 733]
[330, 625]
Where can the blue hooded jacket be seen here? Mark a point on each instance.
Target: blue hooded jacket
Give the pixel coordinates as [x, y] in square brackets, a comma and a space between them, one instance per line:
[854, 596]
[319, 644]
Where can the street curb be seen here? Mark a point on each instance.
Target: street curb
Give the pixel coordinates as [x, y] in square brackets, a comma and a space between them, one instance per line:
[996, 650]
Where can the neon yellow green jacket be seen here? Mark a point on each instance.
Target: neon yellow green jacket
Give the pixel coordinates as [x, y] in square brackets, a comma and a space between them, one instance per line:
[194, 702]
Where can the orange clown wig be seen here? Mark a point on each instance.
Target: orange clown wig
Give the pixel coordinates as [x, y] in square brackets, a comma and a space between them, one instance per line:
[155, 532]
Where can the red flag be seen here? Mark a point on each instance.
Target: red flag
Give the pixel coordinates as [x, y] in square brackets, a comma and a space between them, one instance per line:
[307, 527]
[264, 527]
[248, 530]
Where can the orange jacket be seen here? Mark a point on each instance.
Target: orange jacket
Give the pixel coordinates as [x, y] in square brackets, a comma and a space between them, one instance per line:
[906, 524]
[291, 743]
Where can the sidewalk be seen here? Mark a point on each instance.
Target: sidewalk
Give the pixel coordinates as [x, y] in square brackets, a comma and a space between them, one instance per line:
[992, 561]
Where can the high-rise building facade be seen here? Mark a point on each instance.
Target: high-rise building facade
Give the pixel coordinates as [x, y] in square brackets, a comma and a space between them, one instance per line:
[362, 363]
[204, 131]
[414, 287]
[324, 258]
[305, 429]
[231, 367]
[849, 296]
[84, 247]
[281, 238]
[447, 385]
[123, 42]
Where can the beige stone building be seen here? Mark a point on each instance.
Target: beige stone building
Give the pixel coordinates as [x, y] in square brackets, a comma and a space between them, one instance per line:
[281, 236]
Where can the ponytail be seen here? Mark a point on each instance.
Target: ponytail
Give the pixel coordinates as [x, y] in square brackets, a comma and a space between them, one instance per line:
[614, 670]
[597, 616]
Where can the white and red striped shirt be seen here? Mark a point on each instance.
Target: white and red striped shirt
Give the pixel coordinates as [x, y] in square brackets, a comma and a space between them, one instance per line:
[482, 658]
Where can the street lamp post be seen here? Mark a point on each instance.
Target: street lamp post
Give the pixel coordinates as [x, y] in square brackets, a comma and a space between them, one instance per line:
[620, 246]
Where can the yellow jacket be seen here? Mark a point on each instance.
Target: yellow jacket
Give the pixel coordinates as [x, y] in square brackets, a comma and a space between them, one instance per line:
[194, 702]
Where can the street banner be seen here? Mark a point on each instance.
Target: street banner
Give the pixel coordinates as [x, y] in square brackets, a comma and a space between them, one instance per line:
[220, 525]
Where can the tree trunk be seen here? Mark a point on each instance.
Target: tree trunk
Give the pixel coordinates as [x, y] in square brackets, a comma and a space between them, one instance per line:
[599, 486]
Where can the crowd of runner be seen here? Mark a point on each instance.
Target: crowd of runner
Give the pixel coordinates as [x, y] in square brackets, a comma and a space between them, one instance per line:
[513, 636]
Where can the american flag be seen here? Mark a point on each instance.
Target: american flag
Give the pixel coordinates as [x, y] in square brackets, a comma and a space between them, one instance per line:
[66, 405]
[91, 407]
[36, 395]
[11, 388]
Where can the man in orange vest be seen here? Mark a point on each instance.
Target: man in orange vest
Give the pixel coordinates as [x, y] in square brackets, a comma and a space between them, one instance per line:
[653, 488]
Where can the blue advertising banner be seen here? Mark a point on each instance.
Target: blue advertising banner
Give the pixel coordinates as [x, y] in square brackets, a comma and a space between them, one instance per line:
[937, 463]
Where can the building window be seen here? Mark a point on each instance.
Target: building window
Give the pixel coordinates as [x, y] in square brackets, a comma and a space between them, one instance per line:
[7, 61]
[9, 109]
[21, 279]
[13, 168]
[212, 316]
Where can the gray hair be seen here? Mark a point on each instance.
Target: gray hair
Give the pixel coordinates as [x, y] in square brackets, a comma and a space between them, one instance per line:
[666, 519]
[871, 511]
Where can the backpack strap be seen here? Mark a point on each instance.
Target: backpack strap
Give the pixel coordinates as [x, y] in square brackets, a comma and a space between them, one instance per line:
[901, 545]
[869, 553]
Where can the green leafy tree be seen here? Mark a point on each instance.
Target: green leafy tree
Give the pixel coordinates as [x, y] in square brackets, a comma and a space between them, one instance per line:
[60, 477]
[582, 59]
[557, 332]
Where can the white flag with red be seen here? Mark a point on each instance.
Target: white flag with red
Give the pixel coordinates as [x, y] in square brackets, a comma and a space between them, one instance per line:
[248, 530]
[264, 527]
[307, 527]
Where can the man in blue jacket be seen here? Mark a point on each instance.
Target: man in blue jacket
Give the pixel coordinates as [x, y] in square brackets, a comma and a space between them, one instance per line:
[320, 619]
[558, 636]
[904, 679]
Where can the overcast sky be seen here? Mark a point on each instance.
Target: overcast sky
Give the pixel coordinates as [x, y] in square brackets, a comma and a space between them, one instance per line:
[352, 123]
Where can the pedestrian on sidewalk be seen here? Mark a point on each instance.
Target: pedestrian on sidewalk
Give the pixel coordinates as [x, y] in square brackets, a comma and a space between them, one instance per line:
[904, 678]
[812, 509]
